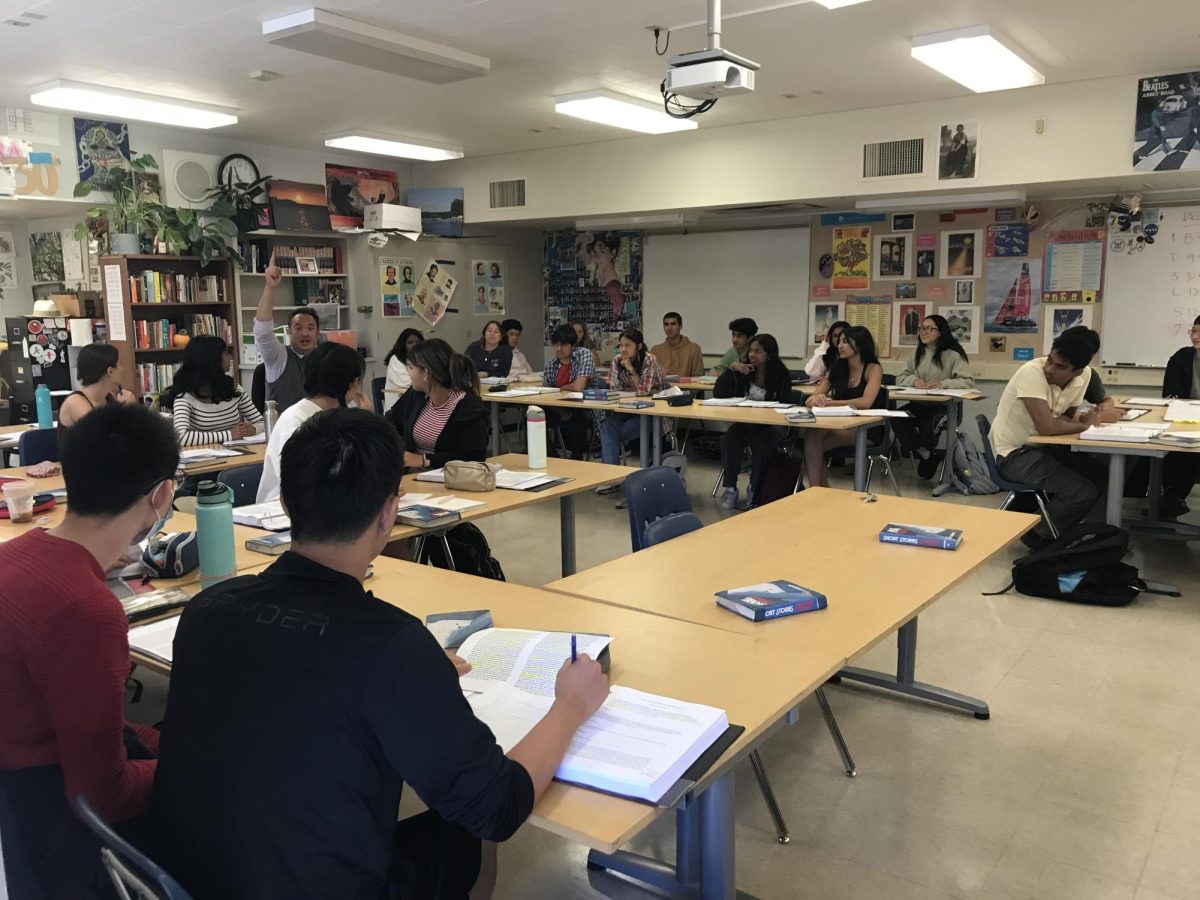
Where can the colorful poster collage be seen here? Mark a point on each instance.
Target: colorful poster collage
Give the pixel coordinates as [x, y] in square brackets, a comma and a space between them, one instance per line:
[487, 284]
[397, 286]
[594, 278]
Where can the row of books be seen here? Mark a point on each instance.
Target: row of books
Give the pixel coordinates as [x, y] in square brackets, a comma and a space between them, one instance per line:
[160, 334]
[257, 254]
[153, 379]
[175, 287]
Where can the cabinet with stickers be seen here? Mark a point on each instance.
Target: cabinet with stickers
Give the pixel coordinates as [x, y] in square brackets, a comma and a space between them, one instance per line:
[39, 352]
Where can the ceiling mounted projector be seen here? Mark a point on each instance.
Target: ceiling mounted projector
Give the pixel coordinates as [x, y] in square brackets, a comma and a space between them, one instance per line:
[706, 75]
[347, 40]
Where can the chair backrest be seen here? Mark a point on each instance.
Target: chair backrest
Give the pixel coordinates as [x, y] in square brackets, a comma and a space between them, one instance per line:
[258, 387]
[135, 875]
[244, 481]
[985, 434]
[377, 386]
[668, 527]
[652, 494]
[36, 445]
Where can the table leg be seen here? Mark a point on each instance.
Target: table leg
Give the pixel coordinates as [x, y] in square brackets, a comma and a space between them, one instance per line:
[717, 874]
[1116, 489]
[860, 459]
[904, 681]
[656, 426]
[1163, 527]
[566, 528]
[954, 420]
[644, 442]
[495, 429]
[1155, 492]
[687, 844]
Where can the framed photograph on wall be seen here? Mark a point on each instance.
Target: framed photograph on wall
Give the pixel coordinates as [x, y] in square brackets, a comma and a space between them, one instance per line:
[964, 291]
[820, 317]
[926, 263]
[893, 257]
[962, 253]
[1061, 316]
[958, 151]
[903, 221]
[906, 322]
[964, 325]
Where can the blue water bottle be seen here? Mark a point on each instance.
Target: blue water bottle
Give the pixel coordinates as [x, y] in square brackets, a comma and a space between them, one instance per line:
[214, 533]
[45, 412]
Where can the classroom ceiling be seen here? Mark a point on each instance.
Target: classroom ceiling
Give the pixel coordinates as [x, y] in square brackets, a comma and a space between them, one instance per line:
[813, 60]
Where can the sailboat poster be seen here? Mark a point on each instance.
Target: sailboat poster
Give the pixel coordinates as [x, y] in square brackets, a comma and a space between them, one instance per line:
[1013, 298]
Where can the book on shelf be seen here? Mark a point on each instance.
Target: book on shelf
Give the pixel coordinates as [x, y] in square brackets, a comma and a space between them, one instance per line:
[771, 600]
[159, 334]
[153, 286]
[154, 378]
[921, 536]
[258, 251]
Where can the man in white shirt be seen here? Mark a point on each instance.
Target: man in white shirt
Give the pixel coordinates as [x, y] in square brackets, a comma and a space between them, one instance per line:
[1043, 398]
[283, 366]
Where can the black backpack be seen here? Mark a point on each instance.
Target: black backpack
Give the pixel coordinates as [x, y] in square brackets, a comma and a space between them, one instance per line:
[1081, 566]
[469, 550]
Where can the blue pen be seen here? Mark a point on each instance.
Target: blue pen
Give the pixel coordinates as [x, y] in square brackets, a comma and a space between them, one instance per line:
[572, 648]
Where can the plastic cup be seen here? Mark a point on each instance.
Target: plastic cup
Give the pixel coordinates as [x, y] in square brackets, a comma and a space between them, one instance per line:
[19, 496]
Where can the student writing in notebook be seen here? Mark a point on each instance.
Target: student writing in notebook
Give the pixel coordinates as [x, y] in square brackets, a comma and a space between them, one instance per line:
[854, 379]
[64, 657]
[301, 704]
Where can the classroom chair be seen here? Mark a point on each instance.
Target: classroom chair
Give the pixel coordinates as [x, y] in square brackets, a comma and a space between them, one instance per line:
[134, 874]
[659, 511]
[1007, 484]
[878, 453]
[377, 386]
[244, 481]
[258, 388]
[37, 445]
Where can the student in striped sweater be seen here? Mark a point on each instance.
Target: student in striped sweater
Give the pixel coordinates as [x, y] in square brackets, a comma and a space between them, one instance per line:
[207, 406]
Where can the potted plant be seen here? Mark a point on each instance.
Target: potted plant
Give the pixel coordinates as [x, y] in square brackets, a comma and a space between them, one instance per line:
[185, 231]
[129, 214]
[242, 196]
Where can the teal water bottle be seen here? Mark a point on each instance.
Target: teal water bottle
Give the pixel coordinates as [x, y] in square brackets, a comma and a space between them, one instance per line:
[214, 533]
[45, 412]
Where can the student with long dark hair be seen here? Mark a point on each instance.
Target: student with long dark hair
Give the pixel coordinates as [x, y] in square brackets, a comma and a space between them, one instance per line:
[768, 379]
[397, 381]
[938, 361]
[826, 352]
[854, 379]
[636, 369]
[96, 369]
[491, 354]
[441, 417]
[207, 406]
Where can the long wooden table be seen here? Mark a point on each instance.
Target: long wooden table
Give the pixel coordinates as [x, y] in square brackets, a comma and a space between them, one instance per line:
[249, 456]
[827, 540]
[651, 438]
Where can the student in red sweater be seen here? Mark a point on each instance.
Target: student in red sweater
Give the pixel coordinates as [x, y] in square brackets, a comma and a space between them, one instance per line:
[64, 657]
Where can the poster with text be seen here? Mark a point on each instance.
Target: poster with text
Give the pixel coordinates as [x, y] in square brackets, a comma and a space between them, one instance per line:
[1008, 240]
[964, 325]
[396, 285]
[906, 323]
[1167, 123]
[487, 282]
[852, 258]
[595, 276]
[100, 148]
[1060, 317]
[821, 317]
[435, 290]
[1013, 300]
[1075, 265]
[349, 188]
[875, 315]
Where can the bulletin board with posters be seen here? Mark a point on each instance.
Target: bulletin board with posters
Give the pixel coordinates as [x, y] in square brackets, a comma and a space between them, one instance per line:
[596, 278]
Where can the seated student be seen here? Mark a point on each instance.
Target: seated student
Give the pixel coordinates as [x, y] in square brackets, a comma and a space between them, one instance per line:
[96, 370]
[491, 355]
[854, 380]
[1181, 470]
[677, 355]
[1043, 397]
[826, 352]
[635, 369]
[397, 366]
[768, 379]
[584, 340]
[441, 417]
[333, 376]
[206, 405]
[740, 332]
[511, 328]
[570, 368]
[64, 657]
[288, 738]
[939, 361]
[1095, 394]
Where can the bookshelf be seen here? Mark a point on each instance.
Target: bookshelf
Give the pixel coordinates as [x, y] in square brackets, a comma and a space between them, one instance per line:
[327, 292]
[160, 296]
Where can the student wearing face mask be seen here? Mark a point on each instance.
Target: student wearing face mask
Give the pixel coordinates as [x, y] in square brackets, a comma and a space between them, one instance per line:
[332, 378]
[64, 656]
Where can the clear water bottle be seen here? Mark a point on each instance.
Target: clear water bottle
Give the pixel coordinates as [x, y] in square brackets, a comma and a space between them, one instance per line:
[214, 533]
[535, 436]
[45, 411]
[270, 415]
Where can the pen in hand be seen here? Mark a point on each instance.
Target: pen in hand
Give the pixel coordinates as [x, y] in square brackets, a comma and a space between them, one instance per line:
[572, 648]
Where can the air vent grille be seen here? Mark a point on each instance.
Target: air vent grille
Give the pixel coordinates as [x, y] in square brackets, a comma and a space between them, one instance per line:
[889, 159]
[506, 194]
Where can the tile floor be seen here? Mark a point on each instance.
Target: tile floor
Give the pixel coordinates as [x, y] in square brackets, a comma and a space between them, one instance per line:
[1084, 784]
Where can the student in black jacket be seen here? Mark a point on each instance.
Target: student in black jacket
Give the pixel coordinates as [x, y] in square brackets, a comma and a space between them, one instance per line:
[301, 704]
[491, 354]
[767, 379]
[441, 417]
[1181, 470]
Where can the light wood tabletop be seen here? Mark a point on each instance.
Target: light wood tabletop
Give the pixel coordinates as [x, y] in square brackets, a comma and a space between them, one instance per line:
[1155, 415]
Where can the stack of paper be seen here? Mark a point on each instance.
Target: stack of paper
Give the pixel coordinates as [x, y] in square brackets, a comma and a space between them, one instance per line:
[1181, 438]
[1144, 401]
[446, 501]
[497, 379]
[516, 392]
[1183, 411]
[936, 392]
[269, 516]
[197, 455]
[721, 401]
[1126, 434]
[259, 438]
[155, 639]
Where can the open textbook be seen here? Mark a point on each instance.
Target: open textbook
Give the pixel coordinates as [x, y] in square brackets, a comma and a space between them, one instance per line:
[636, 745]
[155, 639]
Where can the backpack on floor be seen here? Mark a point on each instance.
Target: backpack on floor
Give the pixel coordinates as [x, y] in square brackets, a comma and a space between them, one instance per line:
[1081, 566]
[779, 479]
[968, 468]
[469, 550]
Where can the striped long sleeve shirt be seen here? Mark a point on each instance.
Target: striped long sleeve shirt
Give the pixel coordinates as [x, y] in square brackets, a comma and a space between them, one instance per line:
[199, 422]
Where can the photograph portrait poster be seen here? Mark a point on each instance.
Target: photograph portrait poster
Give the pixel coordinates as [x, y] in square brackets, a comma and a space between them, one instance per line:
[595, 277]
[397, 284]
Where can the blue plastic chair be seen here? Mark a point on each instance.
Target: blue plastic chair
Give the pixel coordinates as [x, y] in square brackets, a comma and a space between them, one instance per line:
[1007, 484]
[669, 527]
[377, 386]
[135, 875]
[244, 481]
[651, 494]
[37, 445]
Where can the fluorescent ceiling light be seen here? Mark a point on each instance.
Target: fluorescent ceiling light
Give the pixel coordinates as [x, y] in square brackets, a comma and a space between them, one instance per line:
[114, 103]
[363, 143]
[838, 4]
[975, 58]
[945, 201]
[608, 108]
[658, 220]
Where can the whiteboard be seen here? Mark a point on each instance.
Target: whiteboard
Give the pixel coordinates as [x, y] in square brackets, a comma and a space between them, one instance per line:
[713, 277]
[1151, 297]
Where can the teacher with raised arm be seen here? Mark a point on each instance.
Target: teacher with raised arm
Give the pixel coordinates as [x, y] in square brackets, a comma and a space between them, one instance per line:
[284, 366]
